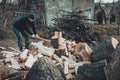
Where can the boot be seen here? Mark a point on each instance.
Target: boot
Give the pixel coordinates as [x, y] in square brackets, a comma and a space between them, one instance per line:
[21, 49]
[28, 47]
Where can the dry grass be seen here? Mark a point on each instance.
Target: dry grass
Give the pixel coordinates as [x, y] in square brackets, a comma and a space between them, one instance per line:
[109, 29]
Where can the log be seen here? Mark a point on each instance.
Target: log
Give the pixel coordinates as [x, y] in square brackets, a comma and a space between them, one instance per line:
[70, 77]
[57, 58]
[30, 61]
[71, 71]
[37, 44]
[58, 36]
[82, 50]
[44, 69]
[61, 69]
[64, 58]
[15, 64]
[38, 56]
[54, 43]
[15, 50]
[57, 40]
[112, 70]
[55, 35]
[114, 42]
[104, 50]
[94, 71]
[71, 66]
[3, 48]
[7, 54]
[72, 57]
[60, 52]
[16, 76]
[23, 55]
[65, 67]
[47, 51]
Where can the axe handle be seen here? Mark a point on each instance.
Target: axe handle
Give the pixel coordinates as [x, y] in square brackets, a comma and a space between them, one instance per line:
[43, 39]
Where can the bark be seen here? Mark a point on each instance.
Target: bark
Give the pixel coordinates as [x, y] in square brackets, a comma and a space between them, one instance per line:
[16, 76]
[43, 69]
[104, 50]
[112, 70]
[94, 71]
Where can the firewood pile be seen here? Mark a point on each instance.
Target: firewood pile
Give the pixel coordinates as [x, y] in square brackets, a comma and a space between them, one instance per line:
[62, 60]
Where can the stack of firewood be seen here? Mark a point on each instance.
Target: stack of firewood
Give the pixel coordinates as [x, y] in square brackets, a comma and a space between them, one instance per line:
[75, 59]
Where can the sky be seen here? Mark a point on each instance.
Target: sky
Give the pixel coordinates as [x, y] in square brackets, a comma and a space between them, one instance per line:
[106, 1]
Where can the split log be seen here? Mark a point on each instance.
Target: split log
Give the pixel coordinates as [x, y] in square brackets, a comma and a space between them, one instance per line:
[15, 64]
[72, 57]
[57, 40]
[57, 58]
[54, 43]
[47, 51]
[65, 67]
[15, 50]
[7, 54]
[2, 48]
[44, 69]
[55, 35]
[83, 52]
[70, 77]
[64, 58]
[23, 55]
[30, 61]
[73, 65]
[104, 50]
[58, 36]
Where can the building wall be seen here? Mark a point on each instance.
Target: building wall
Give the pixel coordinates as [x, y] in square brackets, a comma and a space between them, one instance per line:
[82, 4]
[85, 6]
[53, 6]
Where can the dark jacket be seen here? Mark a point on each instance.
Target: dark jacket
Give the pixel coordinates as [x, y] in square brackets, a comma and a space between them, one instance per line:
[24, 25]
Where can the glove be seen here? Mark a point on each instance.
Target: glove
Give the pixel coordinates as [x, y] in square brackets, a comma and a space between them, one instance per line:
[33, 36]
[36, 36]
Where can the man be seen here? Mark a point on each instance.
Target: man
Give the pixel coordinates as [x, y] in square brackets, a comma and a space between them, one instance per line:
[22, 26]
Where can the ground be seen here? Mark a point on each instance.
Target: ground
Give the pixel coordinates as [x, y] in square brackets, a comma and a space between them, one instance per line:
[8, 38]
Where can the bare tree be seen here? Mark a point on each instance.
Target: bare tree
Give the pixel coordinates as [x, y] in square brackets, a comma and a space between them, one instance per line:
[2, 4]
